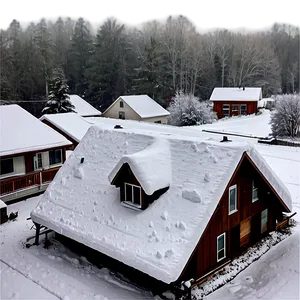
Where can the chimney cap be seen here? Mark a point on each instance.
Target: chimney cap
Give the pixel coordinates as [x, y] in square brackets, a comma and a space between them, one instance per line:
[225, 139]
[118, 127]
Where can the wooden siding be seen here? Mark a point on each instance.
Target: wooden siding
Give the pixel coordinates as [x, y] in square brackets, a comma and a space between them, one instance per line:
[204, 257]
[218, 107]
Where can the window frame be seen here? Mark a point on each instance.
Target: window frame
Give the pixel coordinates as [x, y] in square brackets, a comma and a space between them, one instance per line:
[219, 250]
[38, 157]
[13, 167]
[226, 110]
[61, 158]
[261, 221]
[235, 110]
[131, 201]
[254, 188]
[245, 110]
[121, 104]
[122, 113]
[233, 187]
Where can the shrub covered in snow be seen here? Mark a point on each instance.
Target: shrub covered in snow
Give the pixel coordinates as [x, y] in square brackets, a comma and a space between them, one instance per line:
[186, 110]
[285, 119]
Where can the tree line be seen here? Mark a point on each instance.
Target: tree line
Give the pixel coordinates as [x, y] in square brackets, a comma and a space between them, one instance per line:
[158, 59]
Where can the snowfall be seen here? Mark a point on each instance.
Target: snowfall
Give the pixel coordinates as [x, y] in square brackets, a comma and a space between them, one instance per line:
[57, 273]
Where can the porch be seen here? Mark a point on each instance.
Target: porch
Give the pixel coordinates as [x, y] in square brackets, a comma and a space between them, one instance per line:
[31, 183]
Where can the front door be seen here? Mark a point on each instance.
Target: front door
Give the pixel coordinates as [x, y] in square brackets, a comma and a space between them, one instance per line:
[245, 232]
[37, 161]
[234, 240]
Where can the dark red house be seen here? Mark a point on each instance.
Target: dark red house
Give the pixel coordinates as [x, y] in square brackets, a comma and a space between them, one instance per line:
[169, 209]
[236, 101]
[30, 153]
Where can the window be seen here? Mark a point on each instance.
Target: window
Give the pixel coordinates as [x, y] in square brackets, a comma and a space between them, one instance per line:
[158, 122]
[235, 108]
[38, 161]
[226, 108]
[55, 157]
[121, 104]
[133, 194]
[221, 247]
[254, 191]
[232, 199]
[264, 220]
[243, 109]
[122, 115]
[6, 166]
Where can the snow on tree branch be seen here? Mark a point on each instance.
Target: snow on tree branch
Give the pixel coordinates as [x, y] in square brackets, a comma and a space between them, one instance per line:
[186, 110]
[285, 120]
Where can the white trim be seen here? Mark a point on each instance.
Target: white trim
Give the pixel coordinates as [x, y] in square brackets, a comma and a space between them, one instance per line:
[254, 199]
[236, 208]
[218, 250]
[131, 201]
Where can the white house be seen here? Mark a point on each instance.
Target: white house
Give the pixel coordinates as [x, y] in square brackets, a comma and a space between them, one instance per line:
[137, 107]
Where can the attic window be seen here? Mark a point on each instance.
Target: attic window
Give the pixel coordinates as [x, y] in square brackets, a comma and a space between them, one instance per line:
[133, 195]
[232, 199]
[121, 104]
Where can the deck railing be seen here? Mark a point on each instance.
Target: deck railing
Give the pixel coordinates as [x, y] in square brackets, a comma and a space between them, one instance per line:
[17, 183]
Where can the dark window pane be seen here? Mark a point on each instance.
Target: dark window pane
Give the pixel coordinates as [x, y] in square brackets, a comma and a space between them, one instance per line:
[221, 242]
[221, 254]
[128, 192]
[7, 166]
[232, 199]
[121, 104]
[137, 195]
[55, 157]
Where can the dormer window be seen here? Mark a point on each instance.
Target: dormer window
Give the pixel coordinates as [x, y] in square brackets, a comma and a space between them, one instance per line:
[133, 194]
[134, 175]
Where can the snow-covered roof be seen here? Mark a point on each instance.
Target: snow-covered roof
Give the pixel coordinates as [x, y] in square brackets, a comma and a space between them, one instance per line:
[144, 165]
[81, 203]
[22, 132]
[2, 204]
[71, 124]
[236, 94]
[144, 106]
[83, 108]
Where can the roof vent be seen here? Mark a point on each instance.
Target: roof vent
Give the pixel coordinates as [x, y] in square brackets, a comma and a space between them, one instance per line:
[118, 127]
[82, 160]
[225, 139]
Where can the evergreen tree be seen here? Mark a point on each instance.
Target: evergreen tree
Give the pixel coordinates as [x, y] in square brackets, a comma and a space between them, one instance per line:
[80, 55]
[59, 100]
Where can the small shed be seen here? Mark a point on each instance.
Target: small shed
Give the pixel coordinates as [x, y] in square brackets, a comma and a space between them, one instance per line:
[3, 212]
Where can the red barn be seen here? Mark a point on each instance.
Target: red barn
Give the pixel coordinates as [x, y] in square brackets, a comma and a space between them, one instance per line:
[235, 101]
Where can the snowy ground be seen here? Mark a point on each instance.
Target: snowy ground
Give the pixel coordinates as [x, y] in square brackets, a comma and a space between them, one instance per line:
[38, 273]
[252, 125]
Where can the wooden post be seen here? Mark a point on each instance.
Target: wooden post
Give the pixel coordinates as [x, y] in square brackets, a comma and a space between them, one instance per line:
[37, 233]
